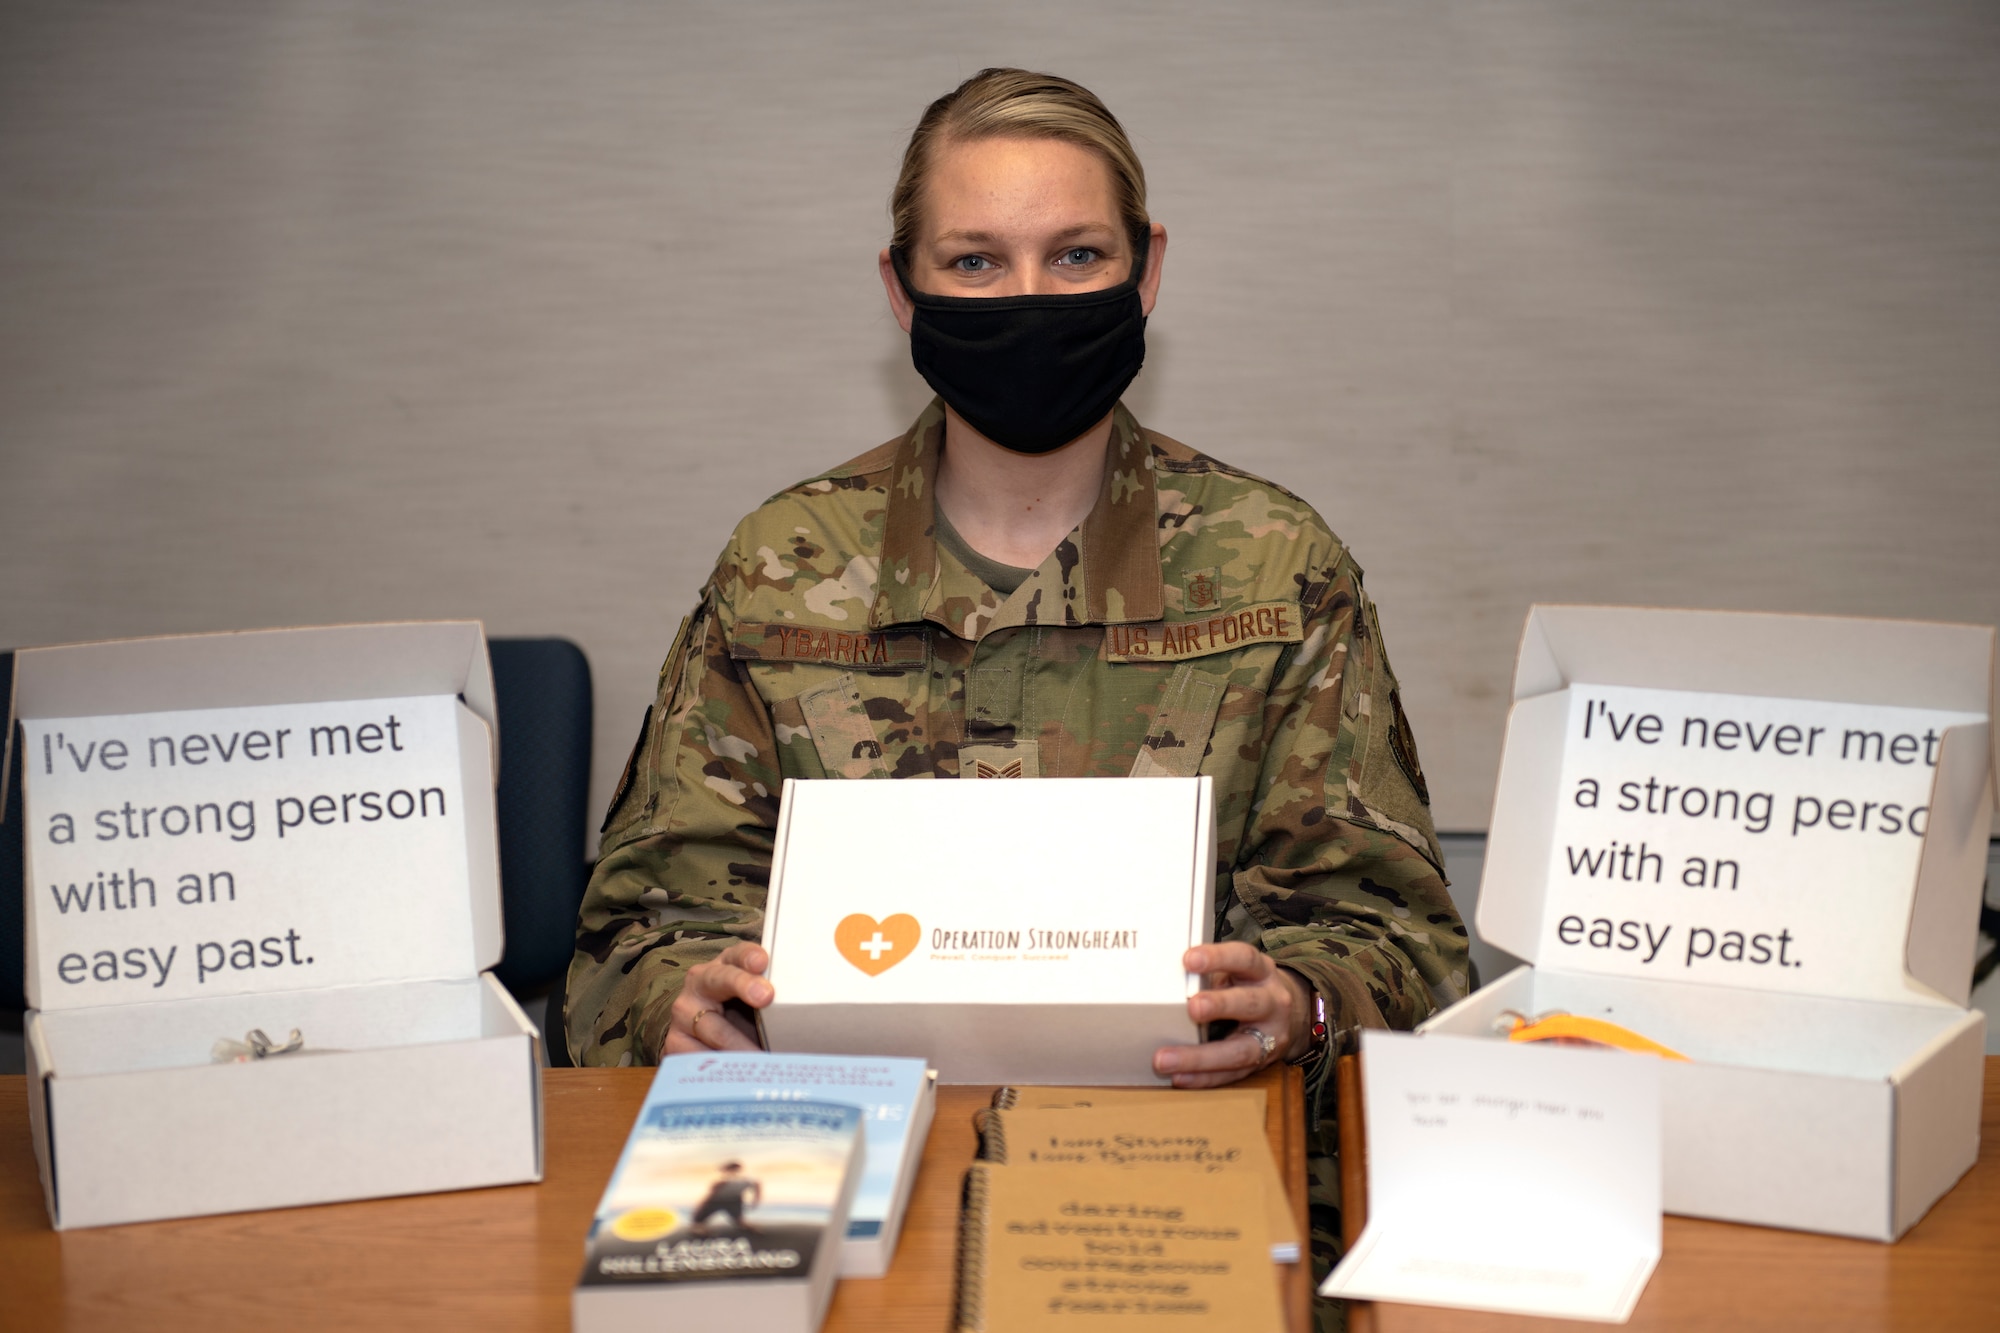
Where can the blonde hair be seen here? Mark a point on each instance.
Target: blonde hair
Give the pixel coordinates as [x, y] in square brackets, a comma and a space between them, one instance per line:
[1018, 103]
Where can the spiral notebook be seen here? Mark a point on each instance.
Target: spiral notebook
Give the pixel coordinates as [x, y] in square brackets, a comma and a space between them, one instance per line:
[1113, 1249]
[1203, 1134]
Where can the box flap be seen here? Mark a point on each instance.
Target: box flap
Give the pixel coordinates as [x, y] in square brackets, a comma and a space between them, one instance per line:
[1841, 659]
[1779, 793]
[269, 666]
[242, 667]
[257, 812]
[1518, 843]
[482, 836]
[1951, 877]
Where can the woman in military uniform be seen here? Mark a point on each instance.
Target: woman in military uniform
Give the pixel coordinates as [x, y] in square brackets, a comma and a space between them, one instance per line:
[1028, 583]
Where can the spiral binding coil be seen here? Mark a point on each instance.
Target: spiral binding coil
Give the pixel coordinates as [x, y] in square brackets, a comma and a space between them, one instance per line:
[969, 1306]
[991, 1127]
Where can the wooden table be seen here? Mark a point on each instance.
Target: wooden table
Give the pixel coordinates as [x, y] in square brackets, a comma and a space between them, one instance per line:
[491, 1259]
[1943, 1274]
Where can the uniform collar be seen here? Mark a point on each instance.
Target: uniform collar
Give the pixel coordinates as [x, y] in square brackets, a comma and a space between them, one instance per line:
[1111, 560]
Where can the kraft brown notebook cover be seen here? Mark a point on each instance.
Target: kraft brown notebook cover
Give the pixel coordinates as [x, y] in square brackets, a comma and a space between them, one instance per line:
[1144, 1129]
[1113, 1249]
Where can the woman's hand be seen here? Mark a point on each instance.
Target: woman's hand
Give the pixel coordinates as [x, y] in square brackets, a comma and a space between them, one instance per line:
[701, 1020]
[1243, 984]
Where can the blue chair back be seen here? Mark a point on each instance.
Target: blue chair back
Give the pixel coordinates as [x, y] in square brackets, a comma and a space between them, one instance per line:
[542, 688]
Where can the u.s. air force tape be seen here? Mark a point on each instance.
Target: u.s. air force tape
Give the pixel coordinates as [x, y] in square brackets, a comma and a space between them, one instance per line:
[1173, 640]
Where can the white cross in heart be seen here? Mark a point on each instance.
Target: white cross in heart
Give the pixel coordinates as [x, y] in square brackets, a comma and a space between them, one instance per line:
[876, 946]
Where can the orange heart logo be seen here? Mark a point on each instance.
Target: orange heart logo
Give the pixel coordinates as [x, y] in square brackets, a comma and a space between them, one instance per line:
[876, 946]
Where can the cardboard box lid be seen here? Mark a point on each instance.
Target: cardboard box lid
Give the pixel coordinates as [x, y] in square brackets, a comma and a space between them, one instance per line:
[1050, 890]
[399, 924]
[1911, 664]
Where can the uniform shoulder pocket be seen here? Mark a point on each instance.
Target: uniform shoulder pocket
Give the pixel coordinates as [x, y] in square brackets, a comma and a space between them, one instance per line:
[637, 794]
[1390, 785]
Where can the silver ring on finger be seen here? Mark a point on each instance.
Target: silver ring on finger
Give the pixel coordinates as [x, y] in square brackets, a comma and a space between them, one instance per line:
[1264, 1039]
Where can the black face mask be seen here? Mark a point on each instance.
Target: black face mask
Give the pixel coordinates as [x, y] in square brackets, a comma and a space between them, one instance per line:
[1030, 373]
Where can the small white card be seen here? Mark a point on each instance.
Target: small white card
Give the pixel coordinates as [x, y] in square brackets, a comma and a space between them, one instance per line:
[1507, 1177]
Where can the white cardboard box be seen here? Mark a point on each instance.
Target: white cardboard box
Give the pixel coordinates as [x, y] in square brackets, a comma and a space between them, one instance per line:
[1834, 1083]
[222, 870]
[1008, 932]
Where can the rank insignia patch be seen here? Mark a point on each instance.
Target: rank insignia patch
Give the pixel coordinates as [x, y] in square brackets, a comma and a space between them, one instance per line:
[1000, 759]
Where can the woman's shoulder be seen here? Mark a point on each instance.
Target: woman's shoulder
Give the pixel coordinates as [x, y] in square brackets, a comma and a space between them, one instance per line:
[858, 473]
[824, 530]
[1244, 529]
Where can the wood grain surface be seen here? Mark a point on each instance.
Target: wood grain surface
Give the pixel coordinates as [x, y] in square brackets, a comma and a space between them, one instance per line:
[493, 1260]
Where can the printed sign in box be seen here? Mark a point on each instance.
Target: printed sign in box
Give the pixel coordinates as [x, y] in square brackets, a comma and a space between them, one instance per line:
[1741, 840]
[176, 856]
[286, 829]
[1006, 931]
[1759, 840]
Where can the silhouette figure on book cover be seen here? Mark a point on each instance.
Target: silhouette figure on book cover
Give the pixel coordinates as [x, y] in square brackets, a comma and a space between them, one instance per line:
[731, 1193]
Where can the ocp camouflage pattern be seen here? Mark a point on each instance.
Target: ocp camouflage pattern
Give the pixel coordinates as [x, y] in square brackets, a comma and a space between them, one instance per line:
[1198, 621]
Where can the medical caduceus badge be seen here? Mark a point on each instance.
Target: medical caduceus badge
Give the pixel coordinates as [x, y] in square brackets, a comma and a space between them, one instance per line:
[876, 946]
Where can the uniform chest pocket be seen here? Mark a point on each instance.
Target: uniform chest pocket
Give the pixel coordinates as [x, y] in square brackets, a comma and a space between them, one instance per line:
[1211, 655]
[858, 722]
[843, 735]
[1182, 723]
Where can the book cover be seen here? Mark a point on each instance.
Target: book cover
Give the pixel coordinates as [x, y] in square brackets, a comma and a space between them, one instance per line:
[737, 1191]
[1108, 1249]
[896, 1100]
[1202, 1133]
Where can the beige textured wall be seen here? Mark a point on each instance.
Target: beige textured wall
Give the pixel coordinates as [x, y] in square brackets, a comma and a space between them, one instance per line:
[319, 310]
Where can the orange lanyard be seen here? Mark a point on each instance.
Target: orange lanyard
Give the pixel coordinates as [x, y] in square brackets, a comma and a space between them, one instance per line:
[1571, 1029]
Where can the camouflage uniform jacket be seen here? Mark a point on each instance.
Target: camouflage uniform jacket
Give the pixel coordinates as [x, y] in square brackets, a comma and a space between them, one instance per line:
[1199, 620]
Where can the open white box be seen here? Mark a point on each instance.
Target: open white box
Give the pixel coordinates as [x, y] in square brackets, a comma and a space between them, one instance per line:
[420, 1071]
[1020, 932]
[1841, 1099]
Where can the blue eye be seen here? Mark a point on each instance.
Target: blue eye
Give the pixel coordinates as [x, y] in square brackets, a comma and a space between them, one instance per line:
[971, 264]
[1078, 257]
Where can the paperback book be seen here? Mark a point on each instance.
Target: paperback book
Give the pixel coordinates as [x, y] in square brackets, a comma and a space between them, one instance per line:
[723, 1210]
[897, 1098]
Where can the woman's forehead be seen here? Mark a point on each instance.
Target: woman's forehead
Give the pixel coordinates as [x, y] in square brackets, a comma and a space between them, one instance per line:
[1014, 186]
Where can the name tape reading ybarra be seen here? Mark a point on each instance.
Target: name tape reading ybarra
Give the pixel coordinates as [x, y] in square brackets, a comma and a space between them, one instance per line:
[1738, 838]
[187, 851]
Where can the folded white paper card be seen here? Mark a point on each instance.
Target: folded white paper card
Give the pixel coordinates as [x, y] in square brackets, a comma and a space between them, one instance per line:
[1503, 1177]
